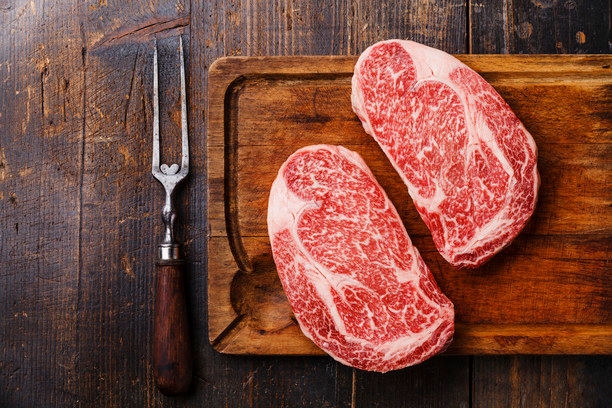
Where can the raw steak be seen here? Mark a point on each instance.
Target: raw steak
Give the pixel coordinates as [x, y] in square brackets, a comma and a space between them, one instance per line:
[468, 162]
[357, 286]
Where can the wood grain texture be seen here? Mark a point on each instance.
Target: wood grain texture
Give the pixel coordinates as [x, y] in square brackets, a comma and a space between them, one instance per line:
[541, 381]
[539, 26]
[41, 139]
[414, 385]
[79, 211]
[304, 27]
[540, 295]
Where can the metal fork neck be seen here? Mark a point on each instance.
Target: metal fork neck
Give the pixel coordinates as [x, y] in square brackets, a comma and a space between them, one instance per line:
[169, 217]
[169, 249]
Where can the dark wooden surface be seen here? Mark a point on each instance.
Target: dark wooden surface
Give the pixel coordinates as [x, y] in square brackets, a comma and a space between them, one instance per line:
[79, 218]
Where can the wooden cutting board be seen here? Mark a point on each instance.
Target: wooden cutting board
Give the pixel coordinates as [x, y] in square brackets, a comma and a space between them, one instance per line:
[547, 293]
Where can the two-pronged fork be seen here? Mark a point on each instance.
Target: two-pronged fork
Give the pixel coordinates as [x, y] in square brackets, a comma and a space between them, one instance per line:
[171, 344]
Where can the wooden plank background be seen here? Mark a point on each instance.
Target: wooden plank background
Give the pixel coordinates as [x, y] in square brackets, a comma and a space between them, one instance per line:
[79, 210]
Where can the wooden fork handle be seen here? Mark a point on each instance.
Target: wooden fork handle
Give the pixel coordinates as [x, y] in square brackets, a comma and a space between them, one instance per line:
[172, 364]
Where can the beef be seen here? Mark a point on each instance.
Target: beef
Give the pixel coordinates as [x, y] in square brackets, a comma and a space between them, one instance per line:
[467, 160]
[358, 287]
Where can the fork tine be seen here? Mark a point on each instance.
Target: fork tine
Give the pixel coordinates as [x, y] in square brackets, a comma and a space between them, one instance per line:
[155, 161]
[184, 130]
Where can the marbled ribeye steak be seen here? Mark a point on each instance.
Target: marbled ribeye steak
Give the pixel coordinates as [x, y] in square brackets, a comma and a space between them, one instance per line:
[358, 287]
[468, 162]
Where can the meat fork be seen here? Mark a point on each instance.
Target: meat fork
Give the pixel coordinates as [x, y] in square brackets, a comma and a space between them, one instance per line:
[171, 343]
